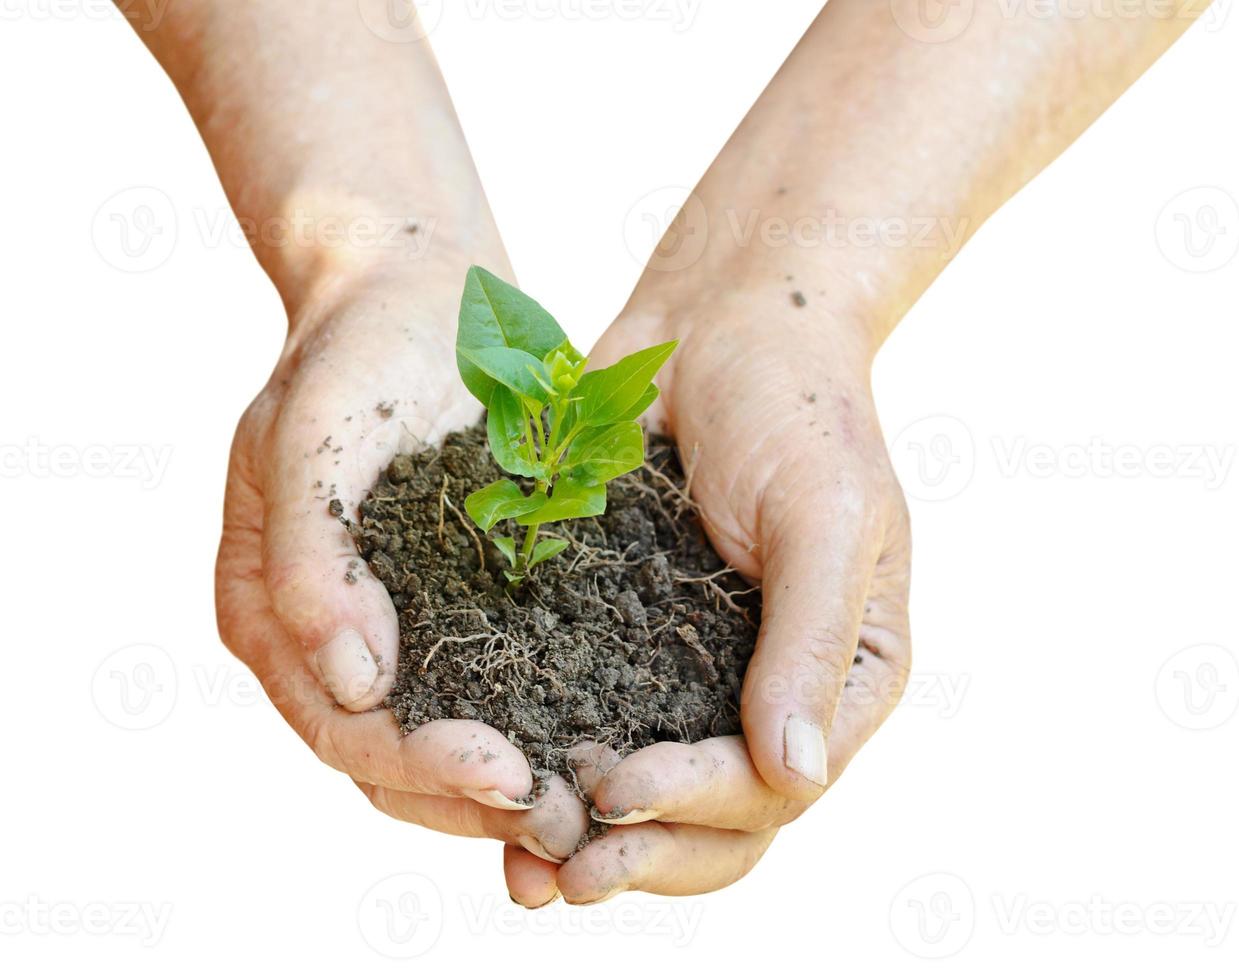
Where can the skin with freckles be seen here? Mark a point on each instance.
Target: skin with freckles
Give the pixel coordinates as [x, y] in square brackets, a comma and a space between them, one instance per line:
[864, 121]
[317, 121]
[282, 553]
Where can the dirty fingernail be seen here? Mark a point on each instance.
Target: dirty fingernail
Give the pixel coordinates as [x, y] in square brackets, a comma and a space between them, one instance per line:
[493, 798]
[598, 901]
[623, 819]
[347, 667]
[533, 908]
[534, 847]
[804, 750]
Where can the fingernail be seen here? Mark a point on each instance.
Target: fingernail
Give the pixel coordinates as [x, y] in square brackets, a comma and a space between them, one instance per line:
[534, 847]
[347, 667]
[493, 798]
[533, 908]
[623, 819]
[598, 901]
[804, 750]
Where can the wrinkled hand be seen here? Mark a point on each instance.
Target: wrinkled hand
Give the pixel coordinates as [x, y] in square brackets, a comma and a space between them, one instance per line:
[771, 401]
[369, 370]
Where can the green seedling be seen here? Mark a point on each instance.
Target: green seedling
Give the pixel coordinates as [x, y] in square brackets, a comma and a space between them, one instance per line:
[548, 420]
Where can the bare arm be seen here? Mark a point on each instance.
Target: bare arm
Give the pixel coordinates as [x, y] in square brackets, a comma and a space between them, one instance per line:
[798, 254]
[316, 121]
[884, 113]
[343, 159]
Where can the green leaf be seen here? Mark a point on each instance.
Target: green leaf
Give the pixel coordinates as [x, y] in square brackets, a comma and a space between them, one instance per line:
[573, 356]
[564, 366]
[610, 395]
[602, 454]
[507, 547]
[495, 314]
[499, 501]
[569, 500]
[517, 370]
[505, 428]
[572, 414]
[636, 410]
[546, 548]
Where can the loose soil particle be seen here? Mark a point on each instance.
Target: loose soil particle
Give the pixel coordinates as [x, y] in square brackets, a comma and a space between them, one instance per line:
[636, 634]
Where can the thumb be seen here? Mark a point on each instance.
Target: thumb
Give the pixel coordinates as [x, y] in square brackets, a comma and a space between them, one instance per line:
[320, 589]
[820, 551]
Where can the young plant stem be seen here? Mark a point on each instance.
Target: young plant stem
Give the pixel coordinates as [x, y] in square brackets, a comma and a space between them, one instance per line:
[559, 451]
[526, 555]
[531, 537]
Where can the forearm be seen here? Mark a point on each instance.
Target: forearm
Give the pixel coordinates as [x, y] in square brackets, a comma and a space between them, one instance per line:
[873, 156]
[339, 151]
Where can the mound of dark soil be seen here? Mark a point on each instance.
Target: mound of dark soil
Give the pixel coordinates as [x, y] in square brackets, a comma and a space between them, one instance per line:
[635, 634]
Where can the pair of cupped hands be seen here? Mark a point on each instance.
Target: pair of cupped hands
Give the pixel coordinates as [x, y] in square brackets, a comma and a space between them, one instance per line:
[772, 400]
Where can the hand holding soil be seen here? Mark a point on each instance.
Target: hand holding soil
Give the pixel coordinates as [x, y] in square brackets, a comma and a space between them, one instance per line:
[365, 372]
[795, 490]
[317, 122]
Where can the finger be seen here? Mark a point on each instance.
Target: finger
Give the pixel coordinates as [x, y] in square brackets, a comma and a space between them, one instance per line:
[879, 672]
[590, 762]
[664, 859]
[712, 783]
[874, 688]
[447, 757]
[531, 881]
[341, 617]
[441, 758]
[330, 443]
[550, 830]
[821, 549]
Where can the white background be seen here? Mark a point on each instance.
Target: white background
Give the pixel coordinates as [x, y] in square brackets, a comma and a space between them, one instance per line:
[1058, 760]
